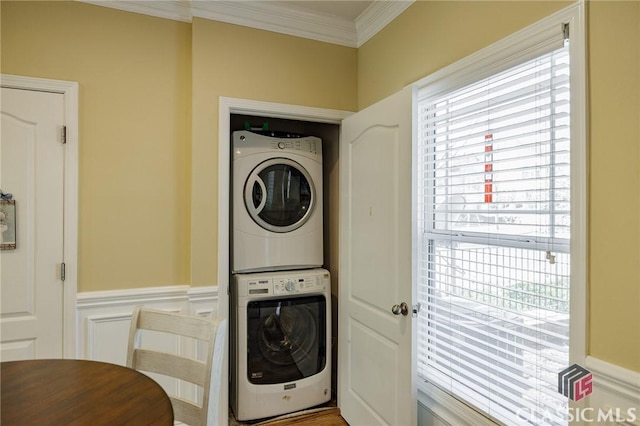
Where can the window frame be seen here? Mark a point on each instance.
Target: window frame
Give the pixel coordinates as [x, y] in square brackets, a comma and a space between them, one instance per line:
[501, 55]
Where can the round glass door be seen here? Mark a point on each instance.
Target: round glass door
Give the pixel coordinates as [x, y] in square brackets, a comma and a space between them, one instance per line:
[286, 339]
[279, 195]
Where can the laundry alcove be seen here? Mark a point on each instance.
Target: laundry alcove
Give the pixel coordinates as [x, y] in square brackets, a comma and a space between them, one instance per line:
[238, 114]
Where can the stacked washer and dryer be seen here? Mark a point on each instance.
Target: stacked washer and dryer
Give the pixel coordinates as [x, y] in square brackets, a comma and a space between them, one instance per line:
[280, 296]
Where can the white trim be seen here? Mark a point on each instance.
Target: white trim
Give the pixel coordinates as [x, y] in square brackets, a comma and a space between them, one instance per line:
[226, 107]
[615, 379]
[132, 297]
[448, 408]
[92, 332]
[204, 301]
[175, 10]
[271, 16]
[575, 16]
[492, 59]
[110, 308]
[615, 387]
[615, 390]
[202, 294]
[104, 320]
[377, 16]
[69, 90]
[502, 54]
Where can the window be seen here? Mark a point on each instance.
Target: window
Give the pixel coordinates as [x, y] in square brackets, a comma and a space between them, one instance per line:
[494, 239]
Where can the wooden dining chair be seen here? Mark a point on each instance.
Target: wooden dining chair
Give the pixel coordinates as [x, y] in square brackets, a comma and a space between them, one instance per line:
[206, 374]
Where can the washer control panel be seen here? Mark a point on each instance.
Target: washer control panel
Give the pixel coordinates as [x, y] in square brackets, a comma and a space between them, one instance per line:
[296, 285]
[289, 284]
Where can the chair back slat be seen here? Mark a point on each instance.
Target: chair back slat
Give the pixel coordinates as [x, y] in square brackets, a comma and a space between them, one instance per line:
[187, 412]
[182, 325]
[198, 372]
[178, 367]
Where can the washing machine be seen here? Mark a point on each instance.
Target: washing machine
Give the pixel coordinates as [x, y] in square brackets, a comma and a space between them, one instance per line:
[277, 201]
[280, 342]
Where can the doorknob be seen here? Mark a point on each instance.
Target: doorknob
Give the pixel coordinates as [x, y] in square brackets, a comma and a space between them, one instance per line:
[402, 308]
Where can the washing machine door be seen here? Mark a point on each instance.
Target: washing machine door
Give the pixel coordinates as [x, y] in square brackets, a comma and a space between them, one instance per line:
[279, 195]
[286, 339]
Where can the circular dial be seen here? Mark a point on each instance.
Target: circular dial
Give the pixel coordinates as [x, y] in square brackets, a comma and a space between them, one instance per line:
[290, 286]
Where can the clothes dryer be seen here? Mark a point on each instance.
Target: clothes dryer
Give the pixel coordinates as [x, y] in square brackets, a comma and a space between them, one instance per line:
[280, 342]
[277, 201]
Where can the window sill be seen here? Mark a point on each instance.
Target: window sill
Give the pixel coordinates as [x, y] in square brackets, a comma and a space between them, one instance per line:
[450, 409]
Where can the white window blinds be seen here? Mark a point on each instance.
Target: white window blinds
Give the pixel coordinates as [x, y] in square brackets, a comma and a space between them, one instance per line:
[493, 255]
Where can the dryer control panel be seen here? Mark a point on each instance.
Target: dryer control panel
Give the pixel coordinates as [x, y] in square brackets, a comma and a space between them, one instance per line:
[307, 145]
[246, 143]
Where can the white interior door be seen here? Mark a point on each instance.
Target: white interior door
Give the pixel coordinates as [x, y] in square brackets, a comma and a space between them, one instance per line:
[374, 363]
[32, 170]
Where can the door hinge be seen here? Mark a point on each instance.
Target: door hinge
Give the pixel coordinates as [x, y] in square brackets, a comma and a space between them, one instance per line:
[63, 134]
[63, 271]
[565, 31]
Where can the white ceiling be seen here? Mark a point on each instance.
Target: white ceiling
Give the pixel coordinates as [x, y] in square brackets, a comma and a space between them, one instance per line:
[344, 22]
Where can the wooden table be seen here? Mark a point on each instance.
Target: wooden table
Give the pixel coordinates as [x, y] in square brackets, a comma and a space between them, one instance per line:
[75, 392]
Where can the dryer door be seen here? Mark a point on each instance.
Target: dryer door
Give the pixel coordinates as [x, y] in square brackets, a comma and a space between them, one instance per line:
[279, 195]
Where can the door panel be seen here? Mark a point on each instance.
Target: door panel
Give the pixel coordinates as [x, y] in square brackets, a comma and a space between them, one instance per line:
[375, 384]
[32, 161]
[374, 207]
[371, 389]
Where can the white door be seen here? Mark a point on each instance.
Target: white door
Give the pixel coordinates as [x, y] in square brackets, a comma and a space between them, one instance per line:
[375, 384]
[32, 170]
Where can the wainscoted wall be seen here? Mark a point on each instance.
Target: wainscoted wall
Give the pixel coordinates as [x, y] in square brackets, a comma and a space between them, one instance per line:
[615, 389]
[104, 317]
[103, 320]
[615, 401]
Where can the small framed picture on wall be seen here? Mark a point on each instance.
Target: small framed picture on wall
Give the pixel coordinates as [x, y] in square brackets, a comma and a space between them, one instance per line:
[7, 224]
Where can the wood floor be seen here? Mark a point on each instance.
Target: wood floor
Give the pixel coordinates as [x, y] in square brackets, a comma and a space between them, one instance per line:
[327, 416]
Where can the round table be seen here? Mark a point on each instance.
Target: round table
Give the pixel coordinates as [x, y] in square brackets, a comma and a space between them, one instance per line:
[78, 392]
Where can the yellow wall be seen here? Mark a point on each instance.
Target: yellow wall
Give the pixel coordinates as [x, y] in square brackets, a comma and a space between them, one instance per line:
[148, 212]
[430, 35]
[434, 34]
[240, 62]
[149, 92]
[134, 73]
[614, 261]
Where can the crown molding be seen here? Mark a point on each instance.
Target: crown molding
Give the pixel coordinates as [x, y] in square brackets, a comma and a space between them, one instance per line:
[377, 16]
[274, 17]
[176, 10]
[271, 16]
